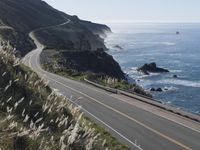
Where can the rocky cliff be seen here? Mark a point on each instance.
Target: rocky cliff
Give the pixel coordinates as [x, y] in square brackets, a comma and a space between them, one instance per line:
[19, 17]
[26, 15]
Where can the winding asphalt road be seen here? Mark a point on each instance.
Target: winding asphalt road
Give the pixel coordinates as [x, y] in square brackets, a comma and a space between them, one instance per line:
[131, 121]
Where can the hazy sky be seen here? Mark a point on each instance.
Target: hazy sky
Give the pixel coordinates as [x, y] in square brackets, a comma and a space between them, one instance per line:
[131, 10]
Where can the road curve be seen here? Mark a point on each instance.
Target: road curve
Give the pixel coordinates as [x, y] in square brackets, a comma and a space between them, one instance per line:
[132, 122]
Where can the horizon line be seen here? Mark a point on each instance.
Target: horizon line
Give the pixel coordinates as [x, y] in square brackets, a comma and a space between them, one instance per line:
[143, 21]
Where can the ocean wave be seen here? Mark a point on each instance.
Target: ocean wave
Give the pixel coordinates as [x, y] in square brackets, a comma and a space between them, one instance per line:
[170, 88]
[133, 70]
[186, 83]
[169, 102]
[142, 76]
[175, 71]
[168, 43]
[156, 43]
[139, 75]
[197, 112]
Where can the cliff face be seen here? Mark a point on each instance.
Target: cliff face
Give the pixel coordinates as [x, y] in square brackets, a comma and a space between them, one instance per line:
[72, 34]
[73, 62]
[96, 61]
[97, 29]
[19, 17]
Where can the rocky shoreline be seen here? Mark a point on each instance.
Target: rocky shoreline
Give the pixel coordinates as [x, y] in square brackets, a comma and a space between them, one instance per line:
[151, 68]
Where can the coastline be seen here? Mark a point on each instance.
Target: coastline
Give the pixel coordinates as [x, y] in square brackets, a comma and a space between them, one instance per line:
[118, 54]
[150, 101]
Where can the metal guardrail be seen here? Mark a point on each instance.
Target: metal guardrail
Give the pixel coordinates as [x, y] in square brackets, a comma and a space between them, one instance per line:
[148, 100]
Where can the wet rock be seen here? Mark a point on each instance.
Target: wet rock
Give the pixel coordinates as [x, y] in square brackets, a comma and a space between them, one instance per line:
[156, 90]
[118, 47]
[159, 90]
[152, 67]
[152, 89]
[145, 72]
[166, 89]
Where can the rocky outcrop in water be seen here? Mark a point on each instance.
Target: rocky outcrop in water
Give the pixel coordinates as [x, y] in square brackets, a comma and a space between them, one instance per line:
[152, 67]
[175, 76]
[118, 47]
[156, 90]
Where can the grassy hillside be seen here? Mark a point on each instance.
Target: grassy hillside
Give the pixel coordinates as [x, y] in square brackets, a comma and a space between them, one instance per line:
[81, 62]
[18, 40]
[32, 116]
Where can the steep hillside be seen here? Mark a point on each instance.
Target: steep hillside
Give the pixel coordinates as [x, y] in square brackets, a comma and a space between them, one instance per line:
[81, 63]
[26, 15]
[72, 33]
[17, 40]
[19, 17]
[35, 117]
[96, 28]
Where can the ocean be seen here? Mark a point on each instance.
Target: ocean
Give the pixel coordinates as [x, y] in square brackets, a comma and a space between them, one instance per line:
[158, 42]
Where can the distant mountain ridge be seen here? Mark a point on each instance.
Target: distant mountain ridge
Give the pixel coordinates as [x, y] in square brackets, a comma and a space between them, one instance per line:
[24, 16]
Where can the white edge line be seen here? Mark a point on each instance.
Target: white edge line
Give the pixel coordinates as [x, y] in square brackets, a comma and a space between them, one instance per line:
[97, 90]
[98, 118]
[108, 126]
[124, 102]
[160, 115]
[136, 106]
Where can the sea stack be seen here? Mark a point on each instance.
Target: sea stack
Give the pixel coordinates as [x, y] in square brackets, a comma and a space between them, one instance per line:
[152, 67]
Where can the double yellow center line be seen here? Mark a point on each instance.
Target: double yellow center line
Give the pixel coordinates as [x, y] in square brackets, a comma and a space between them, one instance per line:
[121, 113]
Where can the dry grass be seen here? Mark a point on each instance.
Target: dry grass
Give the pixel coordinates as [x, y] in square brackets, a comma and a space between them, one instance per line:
[32, 116]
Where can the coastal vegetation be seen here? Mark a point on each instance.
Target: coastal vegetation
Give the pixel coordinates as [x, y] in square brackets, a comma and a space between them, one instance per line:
[33, 116]
[99, 78]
